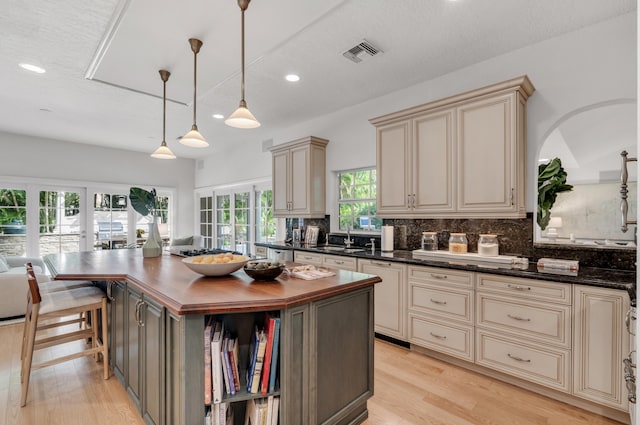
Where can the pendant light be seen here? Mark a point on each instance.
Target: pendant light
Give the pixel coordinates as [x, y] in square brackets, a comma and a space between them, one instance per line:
[163, 152]
[193, 138]
[242, 117]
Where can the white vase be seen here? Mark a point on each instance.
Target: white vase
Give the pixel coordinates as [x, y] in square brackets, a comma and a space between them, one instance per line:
[153, 245]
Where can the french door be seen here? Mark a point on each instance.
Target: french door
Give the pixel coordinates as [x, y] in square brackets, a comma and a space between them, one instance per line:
[61, 220]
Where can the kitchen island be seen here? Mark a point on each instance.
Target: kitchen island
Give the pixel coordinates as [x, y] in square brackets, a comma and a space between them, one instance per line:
[158, 312]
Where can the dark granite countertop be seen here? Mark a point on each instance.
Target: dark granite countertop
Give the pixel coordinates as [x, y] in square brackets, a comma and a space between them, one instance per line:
[606, 278]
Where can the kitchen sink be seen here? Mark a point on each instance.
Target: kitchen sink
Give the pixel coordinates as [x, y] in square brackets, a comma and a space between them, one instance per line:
[342, 249]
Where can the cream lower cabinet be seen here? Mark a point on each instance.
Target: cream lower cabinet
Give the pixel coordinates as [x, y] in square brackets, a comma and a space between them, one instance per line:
[298, 170]
[463, 156]
[326, 260]
[440, 310]
[390, 297]
[523, 328]
[600, 344]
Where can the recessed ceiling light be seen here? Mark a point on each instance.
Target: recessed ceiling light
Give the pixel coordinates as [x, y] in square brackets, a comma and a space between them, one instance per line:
[32, 68]
[292, 78]
[218, 116]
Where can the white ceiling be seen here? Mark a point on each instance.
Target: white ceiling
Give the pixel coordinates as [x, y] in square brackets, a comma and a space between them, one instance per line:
[102, 58]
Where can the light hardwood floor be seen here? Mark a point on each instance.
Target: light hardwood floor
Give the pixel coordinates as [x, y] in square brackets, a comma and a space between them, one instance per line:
[410, 389]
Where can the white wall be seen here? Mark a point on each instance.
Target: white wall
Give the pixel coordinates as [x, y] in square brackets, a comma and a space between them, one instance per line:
[54, 160]
[588, 66]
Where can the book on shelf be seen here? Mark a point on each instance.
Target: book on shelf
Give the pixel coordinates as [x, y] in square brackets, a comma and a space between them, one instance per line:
[224, 359]
[274, 356]
[275, 409]
[217, 386]
[207, 360]
[207, 418]
[253, 354]
[269, 410]
[225, 353]
[256, 413]
[262, 345]
[270, 322]
[232, 352]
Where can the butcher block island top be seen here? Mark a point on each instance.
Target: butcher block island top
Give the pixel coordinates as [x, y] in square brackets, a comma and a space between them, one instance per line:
[169, 282]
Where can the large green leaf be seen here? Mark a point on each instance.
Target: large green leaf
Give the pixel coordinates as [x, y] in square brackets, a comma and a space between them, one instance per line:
[143, 201]
[552, 180]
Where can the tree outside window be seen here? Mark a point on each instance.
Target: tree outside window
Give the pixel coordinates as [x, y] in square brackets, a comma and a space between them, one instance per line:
[357, 200]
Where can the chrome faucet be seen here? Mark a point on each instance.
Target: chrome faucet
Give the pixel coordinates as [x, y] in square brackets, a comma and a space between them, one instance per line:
[348, 241]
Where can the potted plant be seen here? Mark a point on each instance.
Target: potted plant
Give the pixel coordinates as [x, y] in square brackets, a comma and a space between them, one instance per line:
[145, 203]
[552, 179]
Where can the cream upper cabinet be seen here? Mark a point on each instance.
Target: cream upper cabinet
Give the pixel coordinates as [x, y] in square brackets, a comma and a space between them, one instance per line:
[299, 178]
[600, 343]
[463, 156]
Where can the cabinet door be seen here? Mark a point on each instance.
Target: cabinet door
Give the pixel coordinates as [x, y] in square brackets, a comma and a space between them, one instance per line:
[433, 162]
[280, 170]
[340, 262]
[118, 328]
[393, 168]
[152, 366]
[132, 349]
[487, 139]
[600, 345]
[390, 305]
[299, 179]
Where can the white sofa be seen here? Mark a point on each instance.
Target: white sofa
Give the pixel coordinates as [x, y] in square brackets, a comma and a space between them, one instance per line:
[194, 242]
[14, 286]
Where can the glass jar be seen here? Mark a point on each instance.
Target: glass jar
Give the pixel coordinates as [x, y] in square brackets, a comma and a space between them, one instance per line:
[429, 241]
[458, 243]
[488, 246]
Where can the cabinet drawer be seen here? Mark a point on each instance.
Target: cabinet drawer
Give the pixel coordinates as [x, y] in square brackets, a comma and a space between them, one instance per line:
[543, 322]
[452, 339]
[307, 258]
[443, 302]
[440, 276]
[338, 262]
[543, 365]
[540, 290]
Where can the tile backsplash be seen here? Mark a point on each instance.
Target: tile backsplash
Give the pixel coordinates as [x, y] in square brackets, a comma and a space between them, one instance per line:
[515, 237]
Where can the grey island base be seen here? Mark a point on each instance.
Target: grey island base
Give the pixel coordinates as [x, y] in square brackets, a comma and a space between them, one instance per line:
[158, 311]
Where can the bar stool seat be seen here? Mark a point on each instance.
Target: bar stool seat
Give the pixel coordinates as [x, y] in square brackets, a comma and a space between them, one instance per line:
[53, 311]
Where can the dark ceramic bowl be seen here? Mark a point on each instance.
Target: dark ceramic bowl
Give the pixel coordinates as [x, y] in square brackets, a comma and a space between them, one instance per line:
[263, 270]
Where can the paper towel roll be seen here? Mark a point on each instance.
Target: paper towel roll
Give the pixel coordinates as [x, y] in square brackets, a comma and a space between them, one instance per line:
[387, 239]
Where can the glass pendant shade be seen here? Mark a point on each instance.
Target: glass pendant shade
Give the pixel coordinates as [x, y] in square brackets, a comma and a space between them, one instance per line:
[242, 117]
[163, 152]
[193, 138]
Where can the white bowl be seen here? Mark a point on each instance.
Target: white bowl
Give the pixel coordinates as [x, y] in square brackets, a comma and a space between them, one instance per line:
[214, 269]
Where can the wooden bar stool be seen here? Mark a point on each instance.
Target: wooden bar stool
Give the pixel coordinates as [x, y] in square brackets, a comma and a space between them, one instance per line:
[51, 311]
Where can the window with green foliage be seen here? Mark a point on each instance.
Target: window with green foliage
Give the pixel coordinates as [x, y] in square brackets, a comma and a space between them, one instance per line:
[265, 222]
[223, 221]
[13, 211]
[357, 200]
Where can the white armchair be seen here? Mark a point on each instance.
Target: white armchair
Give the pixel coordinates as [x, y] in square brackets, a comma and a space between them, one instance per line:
[188, 243]
[14, 285]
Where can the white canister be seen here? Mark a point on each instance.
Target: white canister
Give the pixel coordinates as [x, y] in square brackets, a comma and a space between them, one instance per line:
[386, 239]
[488, 246]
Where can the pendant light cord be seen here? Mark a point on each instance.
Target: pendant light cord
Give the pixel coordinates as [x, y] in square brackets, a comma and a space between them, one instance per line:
[195, 63]
[164, 108]
[242, 61]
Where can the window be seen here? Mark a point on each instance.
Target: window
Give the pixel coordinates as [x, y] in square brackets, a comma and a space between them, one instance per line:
[110, 218]
[13, 219]
[357, 200]
[265, 222]
[60, 222]
[223, 222]
[206, 220]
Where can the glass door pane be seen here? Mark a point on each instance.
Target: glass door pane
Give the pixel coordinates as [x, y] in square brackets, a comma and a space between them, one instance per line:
[206, 220]
[60, 222]
[241, 215]
[223, 222]
[110, 220]
[265, 222]
[13, 218]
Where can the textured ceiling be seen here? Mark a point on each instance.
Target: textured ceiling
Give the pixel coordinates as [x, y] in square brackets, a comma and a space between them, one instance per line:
[102, 59]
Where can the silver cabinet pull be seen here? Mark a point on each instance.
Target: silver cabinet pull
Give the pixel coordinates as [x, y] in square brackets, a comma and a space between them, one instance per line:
[438, 302]
[522, 319]
[381, 264]
[518, 287]
[518, 359]
[627, 322]
[110, 296]
[139, 305]
[338, 262]
[438, 276]
[437, 336]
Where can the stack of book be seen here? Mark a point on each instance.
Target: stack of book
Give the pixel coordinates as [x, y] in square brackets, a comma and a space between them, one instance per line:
[228, 373]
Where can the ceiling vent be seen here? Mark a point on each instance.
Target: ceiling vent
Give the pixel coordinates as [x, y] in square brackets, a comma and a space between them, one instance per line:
[361, 52]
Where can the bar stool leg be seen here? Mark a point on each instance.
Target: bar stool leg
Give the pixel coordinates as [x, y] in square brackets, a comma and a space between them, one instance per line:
[105, 341]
